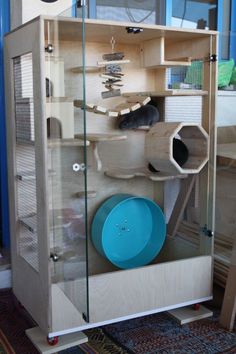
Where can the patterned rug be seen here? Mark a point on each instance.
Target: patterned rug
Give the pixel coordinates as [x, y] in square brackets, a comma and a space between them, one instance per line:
[154, 334]
[14, 320]
[160, 334]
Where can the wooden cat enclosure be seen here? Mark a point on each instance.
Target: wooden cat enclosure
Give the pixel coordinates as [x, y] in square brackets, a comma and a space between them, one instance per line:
[58, 180]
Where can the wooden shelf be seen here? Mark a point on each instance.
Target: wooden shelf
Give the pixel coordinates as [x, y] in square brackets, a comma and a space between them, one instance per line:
[97, 68]
[171, 63]
[58, 99]
[115, 62]
[54, 143]
[227, 150]
[95, 138]
[167, 93]
[88, 69]
[131, 173]
[90, 194]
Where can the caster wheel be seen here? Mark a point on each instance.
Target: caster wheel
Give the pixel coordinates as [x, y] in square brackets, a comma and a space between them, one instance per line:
[52, 341]
[196, 307]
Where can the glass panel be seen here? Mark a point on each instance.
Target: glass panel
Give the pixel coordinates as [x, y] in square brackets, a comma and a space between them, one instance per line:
[117, 160]
[67, 158]
[194, 14]
[225, 31]
[25, 160]
[225, 185]
[118, 163]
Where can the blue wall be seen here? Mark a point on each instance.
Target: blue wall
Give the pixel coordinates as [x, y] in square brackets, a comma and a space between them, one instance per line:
[4, 27]
[232, 44]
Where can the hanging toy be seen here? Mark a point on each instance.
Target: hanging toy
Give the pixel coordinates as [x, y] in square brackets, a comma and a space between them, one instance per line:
[113, 72]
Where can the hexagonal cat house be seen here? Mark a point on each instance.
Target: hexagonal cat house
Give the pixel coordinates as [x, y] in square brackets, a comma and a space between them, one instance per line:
[159, 147]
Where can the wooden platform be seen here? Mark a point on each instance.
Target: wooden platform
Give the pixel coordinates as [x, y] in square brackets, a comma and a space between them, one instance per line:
[39, 340]
[187, 314]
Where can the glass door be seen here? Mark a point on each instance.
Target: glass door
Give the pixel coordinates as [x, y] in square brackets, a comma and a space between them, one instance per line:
[66, 152]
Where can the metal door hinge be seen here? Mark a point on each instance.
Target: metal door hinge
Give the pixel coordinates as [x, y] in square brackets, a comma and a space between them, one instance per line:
[207, 232]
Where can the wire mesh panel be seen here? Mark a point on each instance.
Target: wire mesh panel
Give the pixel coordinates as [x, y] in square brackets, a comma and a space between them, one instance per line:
[25, 160]
[187, 77]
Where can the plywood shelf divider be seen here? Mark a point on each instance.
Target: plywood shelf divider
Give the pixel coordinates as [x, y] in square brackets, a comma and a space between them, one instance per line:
[55, 143]
[141, 172]
[154, 55]
[167, 93]
[88, 69]
[171, 63]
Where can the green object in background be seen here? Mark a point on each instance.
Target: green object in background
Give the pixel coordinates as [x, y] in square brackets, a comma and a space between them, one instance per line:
[233, 77]
[225, 68]
[194, 74]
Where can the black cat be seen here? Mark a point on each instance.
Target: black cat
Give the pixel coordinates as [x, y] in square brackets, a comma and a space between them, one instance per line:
[144, 116]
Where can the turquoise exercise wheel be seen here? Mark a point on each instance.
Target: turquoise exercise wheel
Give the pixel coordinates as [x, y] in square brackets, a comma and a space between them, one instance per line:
[128, 230]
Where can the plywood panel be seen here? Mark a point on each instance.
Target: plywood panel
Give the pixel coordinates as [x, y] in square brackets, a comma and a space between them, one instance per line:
[31, 288]
[101, 31]
[138, 290]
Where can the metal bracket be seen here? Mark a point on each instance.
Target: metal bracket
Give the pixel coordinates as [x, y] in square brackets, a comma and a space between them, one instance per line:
[54, 257]
[213, 58]
[207, 232]
[81, 3]
[79, 167]
[85, 317]
[49, 48]
[134, 30]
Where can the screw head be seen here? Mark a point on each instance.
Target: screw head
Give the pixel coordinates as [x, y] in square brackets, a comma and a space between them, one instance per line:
[76, 167]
